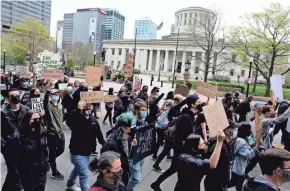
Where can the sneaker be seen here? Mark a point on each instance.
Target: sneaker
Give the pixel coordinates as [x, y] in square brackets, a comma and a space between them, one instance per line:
[154, 157]
[73, 188]
[56, 175]
[95, 153]
[155, 187]
[157, 169]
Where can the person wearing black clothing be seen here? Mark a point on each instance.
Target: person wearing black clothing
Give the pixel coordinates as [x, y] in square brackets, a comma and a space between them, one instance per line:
[236, 102]
[228, 99]
[200, 127]
[275, 166]
[109, 107]
[143, 93]
[228, 111]
[191, 165]
[77, 94]
[184, 127]
[84, 131]
[16, 81]
[170, 95]
[153, 108]
[33, 155]
[244, 108]
[12, 117]
[120, 105]
[26, 88]
[67, 102]
[34, 93]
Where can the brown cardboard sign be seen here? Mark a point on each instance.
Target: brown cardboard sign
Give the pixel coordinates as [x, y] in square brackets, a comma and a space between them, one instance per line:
[181, 89]
[92, 96]
[93, 75]
[25, 75]
[207, 90]
[215, 116]
[110, 98]
[53, 74]
[258, 124]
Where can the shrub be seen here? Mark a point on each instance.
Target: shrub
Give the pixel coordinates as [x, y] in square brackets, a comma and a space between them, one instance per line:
[136, 71]
[221, 78]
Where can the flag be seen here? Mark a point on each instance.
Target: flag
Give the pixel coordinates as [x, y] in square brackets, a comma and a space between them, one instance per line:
[160, 26]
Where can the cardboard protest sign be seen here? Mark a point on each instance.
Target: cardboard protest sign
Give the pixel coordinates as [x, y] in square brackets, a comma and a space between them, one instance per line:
[50, 59]
[93, 75]
[207, 90]
[258, 124]
[93, 96]
[215, 116]
[37, 103]
[110, 98]
[53, 74]
[21, 69]
[181, 89]
[146, 143]
[276, 86]
[38, 70]
[62, 86]
[28, 75]
[24, 96]
[137, 84]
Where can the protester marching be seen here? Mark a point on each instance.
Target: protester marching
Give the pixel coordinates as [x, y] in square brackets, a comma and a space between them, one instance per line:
[212, 144]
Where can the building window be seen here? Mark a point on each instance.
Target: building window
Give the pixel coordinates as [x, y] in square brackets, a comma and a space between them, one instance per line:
[113, 51]
[190, 17]
[196, 70]
[243, 73]
[232, 71]
[127, 51]
[119, 64]
[185, 17]
[234, 58]
[112, 63]
[120, 52]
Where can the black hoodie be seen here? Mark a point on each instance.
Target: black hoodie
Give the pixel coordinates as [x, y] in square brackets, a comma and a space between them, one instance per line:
[252, 185]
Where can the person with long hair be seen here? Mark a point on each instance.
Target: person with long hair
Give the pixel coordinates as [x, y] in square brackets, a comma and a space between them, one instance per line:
[109, 107]
[109, 171]
[33, 156]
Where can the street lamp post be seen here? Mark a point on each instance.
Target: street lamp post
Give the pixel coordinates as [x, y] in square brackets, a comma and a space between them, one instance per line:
[249, 76]
[4, 60]
[95, 58]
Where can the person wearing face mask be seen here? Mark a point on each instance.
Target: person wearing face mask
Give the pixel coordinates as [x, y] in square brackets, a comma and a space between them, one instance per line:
[200, 127]
[33, 156]
[34, 93]
[118, 142]
[76, 86]
[218, 178]
[275, 166]
[143, 93]
[12, 117]
[85, 130]
[77, 95]
[191, 165]
[242, 152]
[119, 107]
[55, 137]
[67, 101]
[109, 170]
[16, 81]
[26, 88]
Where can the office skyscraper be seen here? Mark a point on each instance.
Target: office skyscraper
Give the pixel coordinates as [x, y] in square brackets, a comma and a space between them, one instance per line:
[115, 22]
[15, 11]
[146, 29]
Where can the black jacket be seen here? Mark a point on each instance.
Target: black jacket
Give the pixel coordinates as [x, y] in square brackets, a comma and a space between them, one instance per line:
[244, 107]
[68, 103]
[175, 110]
[83, 134]
[118, 107]
[153, 110]
[217, 179]
[252, 185]
[190, 171]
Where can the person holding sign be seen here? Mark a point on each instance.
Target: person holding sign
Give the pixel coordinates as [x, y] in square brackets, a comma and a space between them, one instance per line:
[109, 107]
[191, 167]
[26, 88]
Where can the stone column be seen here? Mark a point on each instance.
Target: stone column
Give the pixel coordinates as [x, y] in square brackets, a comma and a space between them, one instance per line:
[166, 61]
[144, 59]
[123, 60]
[109, 56]
[192, 66]
[150, 60]
[183, 62]
[137, 59]
[173, 61]
[157, 65]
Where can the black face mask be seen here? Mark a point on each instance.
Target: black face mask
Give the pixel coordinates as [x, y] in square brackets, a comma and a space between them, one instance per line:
[87, 112]
[15, 99]
[199, 107]
[36, 96]
[145, 90]
[130, 88]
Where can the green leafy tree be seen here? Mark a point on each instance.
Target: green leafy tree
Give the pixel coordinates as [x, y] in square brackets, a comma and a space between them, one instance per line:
[70, 62]
[30, 35]
[83, 54]
[268, 34]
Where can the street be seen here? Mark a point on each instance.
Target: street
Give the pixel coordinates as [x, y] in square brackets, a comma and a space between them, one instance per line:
[148, 175]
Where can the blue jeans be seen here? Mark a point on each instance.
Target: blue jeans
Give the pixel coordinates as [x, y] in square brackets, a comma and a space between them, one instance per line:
[136, 174]
[81, 169]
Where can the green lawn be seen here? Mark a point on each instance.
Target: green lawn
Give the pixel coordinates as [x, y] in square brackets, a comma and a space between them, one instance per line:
[260, 89]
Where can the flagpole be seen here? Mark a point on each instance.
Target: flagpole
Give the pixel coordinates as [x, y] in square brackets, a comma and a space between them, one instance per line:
[134, 52]
[173, 80]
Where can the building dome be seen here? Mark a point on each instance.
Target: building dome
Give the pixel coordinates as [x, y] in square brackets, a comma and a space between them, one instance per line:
[190, 17]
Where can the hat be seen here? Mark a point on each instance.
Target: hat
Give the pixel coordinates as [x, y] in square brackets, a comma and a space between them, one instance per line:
[233, 124]
[53, 91]
[191, 99]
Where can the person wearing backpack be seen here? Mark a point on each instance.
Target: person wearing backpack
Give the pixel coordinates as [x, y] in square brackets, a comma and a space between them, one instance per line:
[184, 127]
[217, 179]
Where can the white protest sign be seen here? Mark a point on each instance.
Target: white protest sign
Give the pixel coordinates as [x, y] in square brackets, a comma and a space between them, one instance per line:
[21, 69]
[38, 70]
[62, 86]
[24, 96]
[37, 103]
[50, 59]
[276, 86]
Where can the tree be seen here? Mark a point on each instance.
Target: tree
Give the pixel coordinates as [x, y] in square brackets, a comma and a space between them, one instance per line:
[205, 35]
[30, 35]
[83, 54]
[70, 62]
[268, 33]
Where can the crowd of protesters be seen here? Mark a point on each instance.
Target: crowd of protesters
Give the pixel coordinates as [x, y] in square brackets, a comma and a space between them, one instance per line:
[32, 141]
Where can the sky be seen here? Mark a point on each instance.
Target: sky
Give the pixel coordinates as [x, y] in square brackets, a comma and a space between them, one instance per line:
[160, 10]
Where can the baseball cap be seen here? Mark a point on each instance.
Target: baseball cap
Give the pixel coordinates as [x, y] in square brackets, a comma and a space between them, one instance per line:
[191, 99]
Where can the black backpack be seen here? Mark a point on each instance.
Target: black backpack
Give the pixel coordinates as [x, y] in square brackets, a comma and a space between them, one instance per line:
[171, 129]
